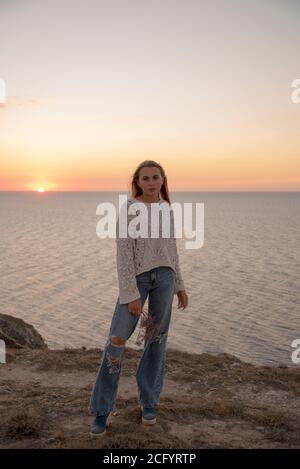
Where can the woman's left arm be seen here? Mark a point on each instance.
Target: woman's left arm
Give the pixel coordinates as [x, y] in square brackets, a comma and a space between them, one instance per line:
[179, 283]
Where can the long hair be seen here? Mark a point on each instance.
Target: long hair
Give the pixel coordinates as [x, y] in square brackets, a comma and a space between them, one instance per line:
[136, 190]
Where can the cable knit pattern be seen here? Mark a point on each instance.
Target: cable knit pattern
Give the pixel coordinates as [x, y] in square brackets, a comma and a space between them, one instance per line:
[138, 255]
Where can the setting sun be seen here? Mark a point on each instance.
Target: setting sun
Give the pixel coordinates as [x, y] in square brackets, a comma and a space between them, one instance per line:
[41, 189]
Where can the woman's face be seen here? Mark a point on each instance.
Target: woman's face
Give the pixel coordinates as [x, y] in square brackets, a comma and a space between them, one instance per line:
[150, 181]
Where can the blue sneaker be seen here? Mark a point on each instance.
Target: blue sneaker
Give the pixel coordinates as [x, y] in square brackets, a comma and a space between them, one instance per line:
[98, 427]
[148, 415]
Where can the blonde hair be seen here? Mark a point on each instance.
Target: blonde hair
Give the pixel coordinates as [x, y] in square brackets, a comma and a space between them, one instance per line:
[136, 190]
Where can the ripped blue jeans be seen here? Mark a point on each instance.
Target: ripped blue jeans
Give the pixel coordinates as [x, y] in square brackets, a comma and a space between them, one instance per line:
[159, 284]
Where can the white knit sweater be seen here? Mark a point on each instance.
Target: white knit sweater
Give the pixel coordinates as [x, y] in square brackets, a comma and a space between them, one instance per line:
[137, 255]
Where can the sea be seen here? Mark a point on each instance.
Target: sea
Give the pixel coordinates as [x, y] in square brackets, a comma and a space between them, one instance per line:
[242, 282]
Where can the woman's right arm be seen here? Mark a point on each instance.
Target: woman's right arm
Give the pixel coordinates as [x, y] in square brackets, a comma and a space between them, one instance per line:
[128, 290]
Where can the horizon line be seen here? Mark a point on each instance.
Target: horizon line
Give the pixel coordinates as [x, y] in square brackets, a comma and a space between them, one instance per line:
[173, 191]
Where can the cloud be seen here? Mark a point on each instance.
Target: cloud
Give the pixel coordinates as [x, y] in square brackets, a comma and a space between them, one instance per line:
[17, 103]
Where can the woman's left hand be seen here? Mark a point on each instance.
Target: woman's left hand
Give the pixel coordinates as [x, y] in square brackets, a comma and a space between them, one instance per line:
[182, 299]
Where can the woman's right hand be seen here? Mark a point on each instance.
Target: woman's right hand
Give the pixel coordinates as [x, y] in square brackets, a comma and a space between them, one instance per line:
[135, 307]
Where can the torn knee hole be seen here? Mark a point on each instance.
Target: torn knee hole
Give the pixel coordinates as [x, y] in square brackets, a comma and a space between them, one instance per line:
[113, 363]
[117, 341]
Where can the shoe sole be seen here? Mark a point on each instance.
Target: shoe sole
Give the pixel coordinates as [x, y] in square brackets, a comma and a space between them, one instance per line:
[148, 422]
[108, 424]
[97, 435]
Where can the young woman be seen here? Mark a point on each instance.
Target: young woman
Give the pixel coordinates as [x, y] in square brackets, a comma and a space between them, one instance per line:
[147, 267]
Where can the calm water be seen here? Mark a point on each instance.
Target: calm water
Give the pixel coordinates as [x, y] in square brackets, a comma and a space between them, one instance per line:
[243, 284]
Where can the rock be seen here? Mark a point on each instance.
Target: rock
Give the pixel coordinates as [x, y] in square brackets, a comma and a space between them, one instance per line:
[17, 333]
[235, 364]
[5, 389]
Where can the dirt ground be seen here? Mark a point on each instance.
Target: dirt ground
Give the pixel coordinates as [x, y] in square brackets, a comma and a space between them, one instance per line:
[208, 401]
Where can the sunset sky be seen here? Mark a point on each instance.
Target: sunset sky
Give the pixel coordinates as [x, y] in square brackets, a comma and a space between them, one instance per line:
[94, 87]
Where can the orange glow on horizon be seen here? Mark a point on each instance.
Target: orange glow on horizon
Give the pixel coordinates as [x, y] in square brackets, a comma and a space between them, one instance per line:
[70, 128]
